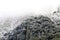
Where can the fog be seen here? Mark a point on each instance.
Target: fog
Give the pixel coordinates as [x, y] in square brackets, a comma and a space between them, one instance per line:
[14, 8]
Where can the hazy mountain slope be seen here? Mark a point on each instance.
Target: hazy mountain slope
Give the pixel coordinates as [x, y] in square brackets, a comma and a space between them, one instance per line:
[8, 24]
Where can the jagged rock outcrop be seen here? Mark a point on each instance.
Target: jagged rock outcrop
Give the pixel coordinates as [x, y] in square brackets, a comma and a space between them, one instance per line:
[34, 28]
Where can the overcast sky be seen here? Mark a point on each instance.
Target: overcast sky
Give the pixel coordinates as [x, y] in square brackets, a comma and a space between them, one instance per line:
[14, 8]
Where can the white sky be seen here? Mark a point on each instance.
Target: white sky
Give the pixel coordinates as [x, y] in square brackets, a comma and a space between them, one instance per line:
[14, 8]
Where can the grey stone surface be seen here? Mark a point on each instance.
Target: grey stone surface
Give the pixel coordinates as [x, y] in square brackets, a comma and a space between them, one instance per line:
[41, 28]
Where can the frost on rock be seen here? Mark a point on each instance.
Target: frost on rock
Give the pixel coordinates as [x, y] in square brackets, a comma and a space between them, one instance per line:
[7, 24]
[34, 28]
[56, 17]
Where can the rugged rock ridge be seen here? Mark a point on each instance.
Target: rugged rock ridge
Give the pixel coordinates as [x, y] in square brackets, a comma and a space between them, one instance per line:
[34, 28]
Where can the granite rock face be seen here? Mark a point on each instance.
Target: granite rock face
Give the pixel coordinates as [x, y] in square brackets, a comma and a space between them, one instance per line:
[34, 28]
